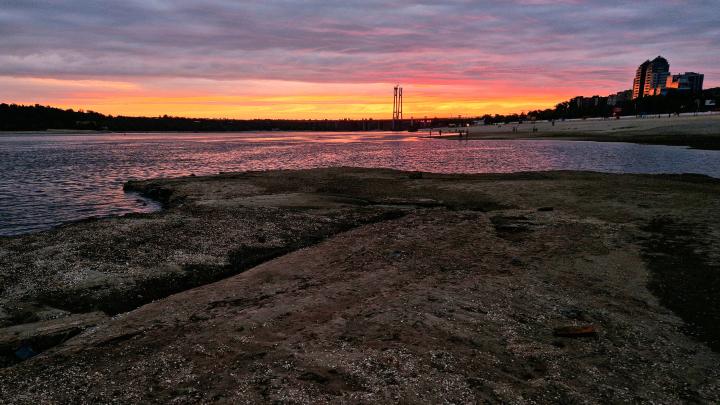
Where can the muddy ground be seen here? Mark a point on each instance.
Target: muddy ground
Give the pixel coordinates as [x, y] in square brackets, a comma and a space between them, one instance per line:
[360, 285]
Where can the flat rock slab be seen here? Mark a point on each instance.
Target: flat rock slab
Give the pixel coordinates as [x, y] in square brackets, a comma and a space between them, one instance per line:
[26, 340]
[424, 308]
[452, 301]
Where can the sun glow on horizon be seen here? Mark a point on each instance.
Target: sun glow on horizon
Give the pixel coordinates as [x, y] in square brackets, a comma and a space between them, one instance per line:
[272, 99]
[332, 60]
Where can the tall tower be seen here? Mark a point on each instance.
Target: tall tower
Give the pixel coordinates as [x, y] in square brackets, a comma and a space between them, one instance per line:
[640, 80]
[651, 77]
[657, 74]
[397, 107]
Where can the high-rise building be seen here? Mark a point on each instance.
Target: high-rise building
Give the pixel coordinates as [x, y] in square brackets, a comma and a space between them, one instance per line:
[689, 82]
[651, 77]
[640, 78]
[656, 78]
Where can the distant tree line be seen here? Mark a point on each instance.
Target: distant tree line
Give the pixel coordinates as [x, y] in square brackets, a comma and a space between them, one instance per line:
[15, 117]
[38, 118]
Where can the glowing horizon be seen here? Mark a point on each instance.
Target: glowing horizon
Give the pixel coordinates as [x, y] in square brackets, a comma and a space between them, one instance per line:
[314, 60]
[281, 100]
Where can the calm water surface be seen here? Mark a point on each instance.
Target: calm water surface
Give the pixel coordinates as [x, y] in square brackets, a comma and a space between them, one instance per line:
[46, 180]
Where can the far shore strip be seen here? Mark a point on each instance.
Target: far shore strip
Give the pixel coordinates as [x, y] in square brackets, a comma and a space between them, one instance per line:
[702, 131]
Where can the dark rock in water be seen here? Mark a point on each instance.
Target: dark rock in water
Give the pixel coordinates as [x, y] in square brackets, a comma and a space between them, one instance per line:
[25, 352]
[546, 209]
[576, 331]
[516, 261]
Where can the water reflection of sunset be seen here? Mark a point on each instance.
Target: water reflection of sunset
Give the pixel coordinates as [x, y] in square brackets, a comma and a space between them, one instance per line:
[82, 175]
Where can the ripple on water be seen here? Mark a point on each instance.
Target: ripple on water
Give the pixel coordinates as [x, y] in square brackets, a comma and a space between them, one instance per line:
[48, 180]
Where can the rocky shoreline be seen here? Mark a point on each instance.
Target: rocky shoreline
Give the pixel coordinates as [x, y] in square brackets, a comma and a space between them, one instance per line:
[369, 285]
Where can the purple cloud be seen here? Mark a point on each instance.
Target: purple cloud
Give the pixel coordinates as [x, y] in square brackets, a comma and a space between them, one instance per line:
[541, 42]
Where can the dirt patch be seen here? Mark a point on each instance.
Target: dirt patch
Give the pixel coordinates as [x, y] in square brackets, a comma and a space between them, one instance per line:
[684, 276]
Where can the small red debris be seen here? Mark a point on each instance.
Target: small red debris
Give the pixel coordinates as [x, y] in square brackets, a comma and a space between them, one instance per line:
[576, 331]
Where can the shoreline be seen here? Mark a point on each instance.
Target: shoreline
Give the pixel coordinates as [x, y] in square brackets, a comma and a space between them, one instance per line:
[691, 141]
[698, 132]
[351, 258]
[146, 201]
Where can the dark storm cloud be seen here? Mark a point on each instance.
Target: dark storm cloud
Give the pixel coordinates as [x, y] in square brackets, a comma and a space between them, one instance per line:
[356, 41]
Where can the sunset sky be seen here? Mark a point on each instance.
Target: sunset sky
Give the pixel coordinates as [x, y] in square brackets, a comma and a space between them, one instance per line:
[337, 59]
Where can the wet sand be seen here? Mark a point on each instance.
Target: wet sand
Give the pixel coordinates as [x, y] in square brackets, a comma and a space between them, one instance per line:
[702, 131]
[360, 285]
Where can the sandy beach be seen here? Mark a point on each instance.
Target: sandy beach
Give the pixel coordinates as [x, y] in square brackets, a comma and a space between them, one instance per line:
[702, 131]
[366, 285]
